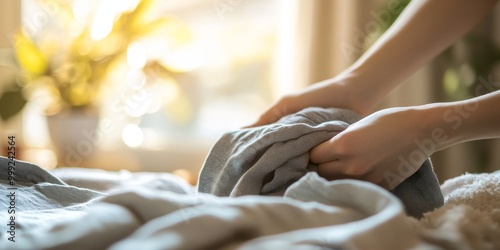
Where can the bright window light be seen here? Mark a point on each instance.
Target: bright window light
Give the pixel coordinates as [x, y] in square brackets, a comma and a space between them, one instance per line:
[132, 135]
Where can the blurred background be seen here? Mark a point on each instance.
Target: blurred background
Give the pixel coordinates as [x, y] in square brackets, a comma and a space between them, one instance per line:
[148, 85]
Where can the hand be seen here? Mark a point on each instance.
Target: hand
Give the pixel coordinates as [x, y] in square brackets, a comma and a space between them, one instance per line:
[384, 148]
[342, 91]
[288, 104]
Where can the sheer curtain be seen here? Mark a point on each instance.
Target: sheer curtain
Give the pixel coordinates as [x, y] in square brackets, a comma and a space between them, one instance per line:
[10, 21]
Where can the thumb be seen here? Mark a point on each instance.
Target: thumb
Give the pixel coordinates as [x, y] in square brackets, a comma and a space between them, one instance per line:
[263, 120]
[270, 116]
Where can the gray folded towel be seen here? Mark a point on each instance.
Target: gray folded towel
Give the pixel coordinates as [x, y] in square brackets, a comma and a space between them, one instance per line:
[266, 160]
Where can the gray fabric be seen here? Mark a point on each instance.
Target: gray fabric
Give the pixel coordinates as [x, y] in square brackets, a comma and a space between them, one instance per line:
[40, 197]
[420, 193]
[307, 217]
[26, 173]
[266, 160]
[313, 214]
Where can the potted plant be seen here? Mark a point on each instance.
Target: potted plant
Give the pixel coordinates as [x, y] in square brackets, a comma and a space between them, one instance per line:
[72, 67]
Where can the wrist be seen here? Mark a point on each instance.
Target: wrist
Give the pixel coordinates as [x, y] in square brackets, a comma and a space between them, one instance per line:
[365, 88]
[435, 126]
[357, 91]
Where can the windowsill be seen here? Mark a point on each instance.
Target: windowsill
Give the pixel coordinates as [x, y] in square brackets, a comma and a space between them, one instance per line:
[185, 156]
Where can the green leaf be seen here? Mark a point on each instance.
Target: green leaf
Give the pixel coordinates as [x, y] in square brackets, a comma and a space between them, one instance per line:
[11, 102]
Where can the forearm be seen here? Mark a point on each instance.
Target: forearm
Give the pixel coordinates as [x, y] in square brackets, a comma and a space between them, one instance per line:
[455, 122]
[422, 31]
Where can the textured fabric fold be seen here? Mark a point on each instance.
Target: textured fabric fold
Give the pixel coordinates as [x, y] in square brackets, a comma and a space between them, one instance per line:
[314, 213]
[40, 197]
[266, 160]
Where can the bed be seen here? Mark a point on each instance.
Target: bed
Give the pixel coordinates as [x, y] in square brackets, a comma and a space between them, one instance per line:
[293, 208]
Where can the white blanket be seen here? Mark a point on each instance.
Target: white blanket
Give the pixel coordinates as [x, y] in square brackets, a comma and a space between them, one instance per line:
[161, 211]
[167, 214]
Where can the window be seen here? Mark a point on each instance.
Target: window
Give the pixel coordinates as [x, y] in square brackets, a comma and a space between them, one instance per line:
[219, 80]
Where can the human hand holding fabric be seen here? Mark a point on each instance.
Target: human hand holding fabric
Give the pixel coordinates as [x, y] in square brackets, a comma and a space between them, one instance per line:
[376, 149]
[343, 91]
[376, 145]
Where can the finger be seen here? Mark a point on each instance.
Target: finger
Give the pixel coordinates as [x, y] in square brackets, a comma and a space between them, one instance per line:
[263, 120]
[270, 116]
[324, 152]
[332, 170]
[345, 169]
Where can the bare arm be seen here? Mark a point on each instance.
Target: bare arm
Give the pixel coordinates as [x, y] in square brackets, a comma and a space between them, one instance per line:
[473, 119]
[381, 142]
[423, 30]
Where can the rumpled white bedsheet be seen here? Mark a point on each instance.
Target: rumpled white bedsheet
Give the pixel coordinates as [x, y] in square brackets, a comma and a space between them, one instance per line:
[161, 211]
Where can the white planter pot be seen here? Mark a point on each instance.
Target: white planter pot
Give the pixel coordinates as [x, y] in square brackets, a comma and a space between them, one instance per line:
[73, 136]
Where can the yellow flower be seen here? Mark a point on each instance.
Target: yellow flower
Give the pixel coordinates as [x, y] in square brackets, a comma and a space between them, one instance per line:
[28, 56]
